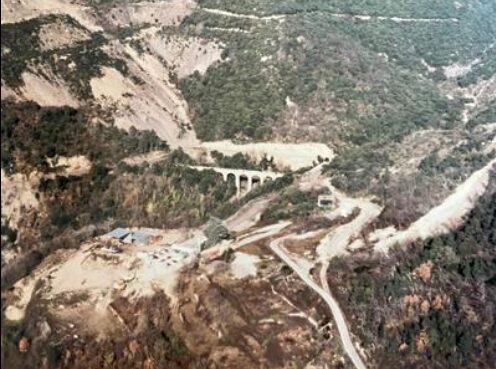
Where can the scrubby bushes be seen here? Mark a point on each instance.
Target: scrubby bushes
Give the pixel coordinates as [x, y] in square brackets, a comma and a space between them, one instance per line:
[486, 116]
[291, 204]
[429, 290]
[76, 63]
[31, 135]
[242, 161]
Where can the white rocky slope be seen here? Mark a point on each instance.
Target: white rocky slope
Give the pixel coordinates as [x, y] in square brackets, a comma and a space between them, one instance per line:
[146, 98]
[443, 218]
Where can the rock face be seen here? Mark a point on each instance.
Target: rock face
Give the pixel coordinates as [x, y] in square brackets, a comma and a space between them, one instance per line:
[18, 196]
[141, 92]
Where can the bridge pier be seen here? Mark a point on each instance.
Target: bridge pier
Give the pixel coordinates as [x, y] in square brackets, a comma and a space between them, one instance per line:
[238, 185]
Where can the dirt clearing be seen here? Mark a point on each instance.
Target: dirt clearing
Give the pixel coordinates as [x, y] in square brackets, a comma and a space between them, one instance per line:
[111, 85]
[244, 265]
[59, 34]
[154, 103]
[46, 91]
[183, 55]
[71, 166]
[248, 215]
[289, 155]
[164, 13]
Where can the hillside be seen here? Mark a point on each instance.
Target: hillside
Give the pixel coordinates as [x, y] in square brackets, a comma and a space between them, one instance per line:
[371, 83]
[300, 184]
[431, 301]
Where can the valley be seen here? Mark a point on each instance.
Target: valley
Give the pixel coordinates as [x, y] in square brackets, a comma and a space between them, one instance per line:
[254, 184]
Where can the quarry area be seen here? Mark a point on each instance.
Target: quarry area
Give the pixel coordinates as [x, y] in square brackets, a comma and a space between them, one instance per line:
[227, 278]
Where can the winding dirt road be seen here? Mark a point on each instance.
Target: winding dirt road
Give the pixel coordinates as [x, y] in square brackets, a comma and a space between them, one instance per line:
[339, 239]
[363, 17]
[336, 241]
[339, 318]
[243, 16]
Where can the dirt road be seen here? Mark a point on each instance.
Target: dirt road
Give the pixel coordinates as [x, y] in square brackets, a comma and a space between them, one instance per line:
[248, 215]
[335, 242]
[446, 216]
[362, 17]
[339, 318]
[260, 234]
[244, 16]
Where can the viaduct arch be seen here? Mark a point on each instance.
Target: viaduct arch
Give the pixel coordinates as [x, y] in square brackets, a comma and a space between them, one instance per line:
[245, 180]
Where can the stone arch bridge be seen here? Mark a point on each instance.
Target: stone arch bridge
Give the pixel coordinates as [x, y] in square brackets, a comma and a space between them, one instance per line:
[245, 180]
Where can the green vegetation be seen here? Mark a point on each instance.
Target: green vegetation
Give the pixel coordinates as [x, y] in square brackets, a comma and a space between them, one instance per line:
[391, 8]
[405, 42]
[215, 231]
[275, 186]
[171, 343]
[486, 116]
[409, 43]
[355, 170]
[84, 61]
[441, 289]
[238, 160]
[243, 161]
[231, 100]
[408, 197]
[165, 194]
[21, 45]
[462, 161]
[31, 135]
[236, 97]
[361, 85]
[485, 69]
[8, 235]
[290, 205]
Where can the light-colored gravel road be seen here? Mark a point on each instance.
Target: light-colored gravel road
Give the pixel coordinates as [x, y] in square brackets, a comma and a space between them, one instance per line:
[339, 318]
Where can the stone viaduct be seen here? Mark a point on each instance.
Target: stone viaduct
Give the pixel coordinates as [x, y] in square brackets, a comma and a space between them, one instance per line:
[245, 180]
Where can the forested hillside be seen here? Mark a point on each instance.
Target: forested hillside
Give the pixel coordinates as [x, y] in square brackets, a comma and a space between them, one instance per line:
[110, 192]
[364, 78]
[430, 304]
